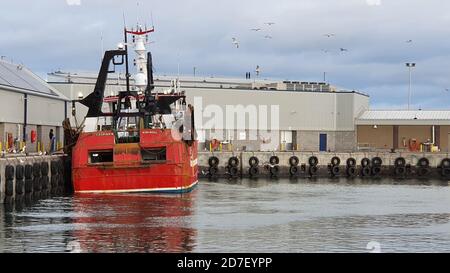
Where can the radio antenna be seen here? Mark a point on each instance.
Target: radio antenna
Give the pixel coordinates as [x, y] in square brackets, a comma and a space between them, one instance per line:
[137, 14]
[151, 18]
[124, 22]
[101, 44]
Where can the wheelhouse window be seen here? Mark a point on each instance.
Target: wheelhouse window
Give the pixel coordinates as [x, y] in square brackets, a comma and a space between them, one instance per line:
[101, 157]
[154, 154]
[128, 130]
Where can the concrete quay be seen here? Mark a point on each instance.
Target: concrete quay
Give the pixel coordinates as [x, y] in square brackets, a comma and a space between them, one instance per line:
[313, 164]
[34, 176]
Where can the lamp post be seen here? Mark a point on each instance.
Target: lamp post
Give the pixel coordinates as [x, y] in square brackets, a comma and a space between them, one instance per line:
[257, 71]
[410, 67]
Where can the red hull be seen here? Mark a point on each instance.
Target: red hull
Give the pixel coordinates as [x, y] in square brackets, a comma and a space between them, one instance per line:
[124, 168]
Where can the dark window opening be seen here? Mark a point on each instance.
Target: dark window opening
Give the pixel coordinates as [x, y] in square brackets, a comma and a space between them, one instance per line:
[131, 138]
[153, 154]
[106, 127]
[101, 157]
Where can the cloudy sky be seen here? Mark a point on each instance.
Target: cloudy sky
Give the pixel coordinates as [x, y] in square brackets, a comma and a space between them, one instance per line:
[48, 35]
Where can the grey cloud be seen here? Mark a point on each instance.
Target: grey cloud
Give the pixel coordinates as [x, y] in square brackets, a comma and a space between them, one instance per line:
[49, 34]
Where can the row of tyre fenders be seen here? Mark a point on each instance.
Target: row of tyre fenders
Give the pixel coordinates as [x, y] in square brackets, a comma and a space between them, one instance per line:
[369, 167]
[32, 178]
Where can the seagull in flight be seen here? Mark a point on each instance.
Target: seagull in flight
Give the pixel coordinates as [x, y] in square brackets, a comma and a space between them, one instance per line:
[329, 35]
[343, 49]
[447, 89]
[409, 41]
[270, 23]
[256, 29]
[268, 37]
[325, 51]
[235, 42]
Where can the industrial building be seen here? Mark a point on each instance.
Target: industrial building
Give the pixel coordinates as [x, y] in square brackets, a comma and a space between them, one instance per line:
[312, 116]
[29, 109]
[415, 130]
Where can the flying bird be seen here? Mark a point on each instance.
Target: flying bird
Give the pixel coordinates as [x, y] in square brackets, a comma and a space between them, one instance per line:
[256, 29]
[329, 35]
[409, 41]
[447, 89]
[270, 23]
[343, 49]
[235, 42]
[268, 37]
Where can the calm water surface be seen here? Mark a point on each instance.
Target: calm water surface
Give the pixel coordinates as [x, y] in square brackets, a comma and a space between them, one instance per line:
[243, 216]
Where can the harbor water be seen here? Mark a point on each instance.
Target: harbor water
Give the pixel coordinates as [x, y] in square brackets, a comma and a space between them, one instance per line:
[320, 215]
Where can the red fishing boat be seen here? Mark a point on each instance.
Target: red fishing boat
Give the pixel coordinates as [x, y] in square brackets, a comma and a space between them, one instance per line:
[144, 142]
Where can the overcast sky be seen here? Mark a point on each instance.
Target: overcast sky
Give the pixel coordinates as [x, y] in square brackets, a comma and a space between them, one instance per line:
[48, 35]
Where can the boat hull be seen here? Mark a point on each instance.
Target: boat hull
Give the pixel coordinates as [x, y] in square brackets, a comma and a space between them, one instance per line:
[150, 185]
[128, 171]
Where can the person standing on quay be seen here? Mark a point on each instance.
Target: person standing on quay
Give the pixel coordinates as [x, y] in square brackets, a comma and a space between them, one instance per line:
[51, 135]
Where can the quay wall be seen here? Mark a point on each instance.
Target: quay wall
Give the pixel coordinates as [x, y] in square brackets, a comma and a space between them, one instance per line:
[324, 163]
[25, 175]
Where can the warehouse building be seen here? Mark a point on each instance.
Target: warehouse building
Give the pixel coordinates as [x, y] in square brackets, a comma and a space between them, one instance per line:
[29, 109]
[404, 130]
[312, 116]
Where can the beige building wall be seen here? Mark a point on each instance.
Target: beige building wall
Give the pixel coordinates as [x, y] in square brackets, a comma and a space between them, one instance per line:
[380, 138]
[445, 138]
[420, 133]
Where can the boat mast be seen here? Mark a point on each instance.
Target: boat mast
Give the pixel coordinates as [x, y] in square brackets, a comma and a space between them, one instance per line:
[127, 69]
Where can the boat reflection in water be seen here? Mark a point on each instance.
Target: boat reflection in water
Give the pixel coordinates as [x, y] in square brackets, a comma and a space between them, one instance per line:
[133, 223]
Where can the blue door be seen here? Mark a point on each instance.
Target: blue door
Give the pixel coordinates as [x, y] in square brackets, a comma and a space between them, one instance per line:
[323, 142]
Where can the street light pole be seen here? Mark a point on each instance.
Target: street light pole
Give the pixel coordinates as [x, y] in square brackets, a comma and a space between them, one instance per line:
[410, 67]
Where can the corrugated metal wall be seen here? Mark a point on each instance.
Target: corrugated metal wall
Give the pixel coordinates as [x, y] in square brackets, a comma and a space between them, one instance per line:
[307, 111]
[43, 111]
[11, 107]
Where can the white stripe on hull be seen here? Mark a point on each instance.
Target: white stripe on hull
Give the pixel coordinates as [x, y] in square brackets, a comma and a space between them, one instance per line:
[141, 190]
